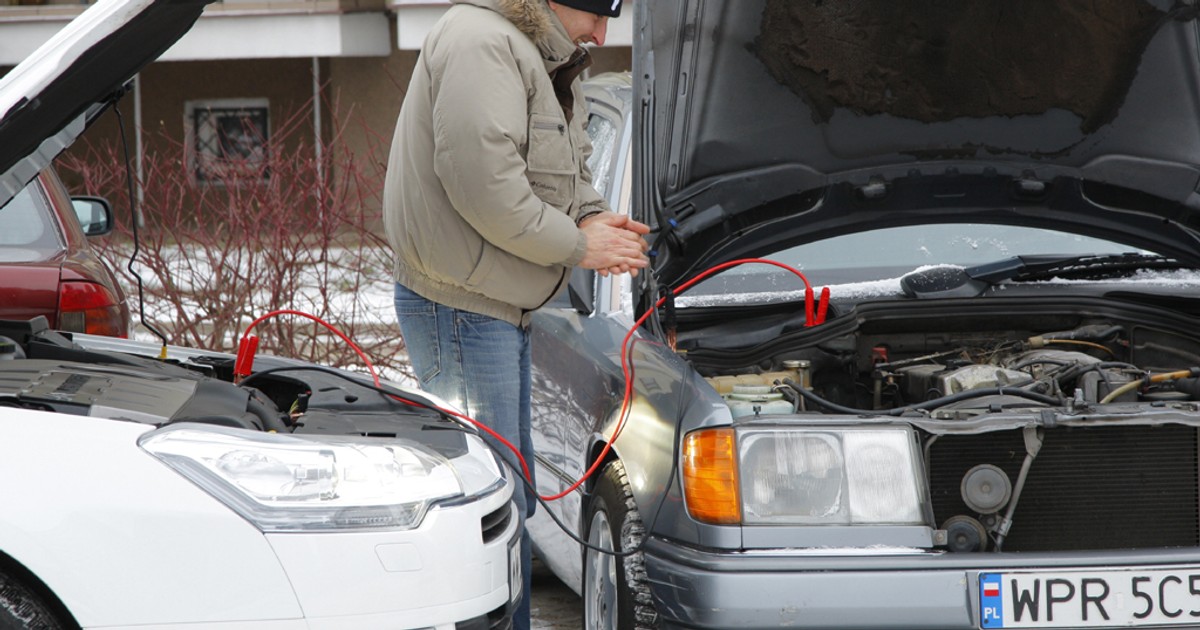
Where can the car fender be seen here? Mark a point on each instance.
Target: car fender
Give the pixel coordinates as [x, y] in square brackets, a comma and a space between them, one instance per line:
[670, 399]
[120, 538]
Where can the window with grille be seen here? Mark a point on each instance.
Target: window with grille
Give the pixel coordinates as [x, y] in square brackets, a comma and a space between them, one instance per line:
[229, 140]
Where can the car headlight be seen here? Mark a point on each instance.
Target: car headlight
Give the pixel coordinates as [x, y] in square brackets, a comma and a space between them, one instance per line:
[302, 483]
[803, 476]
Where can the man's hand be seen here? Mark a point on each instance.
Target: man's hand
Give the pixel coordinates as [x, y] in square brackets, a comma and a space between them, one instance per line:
[614, 244]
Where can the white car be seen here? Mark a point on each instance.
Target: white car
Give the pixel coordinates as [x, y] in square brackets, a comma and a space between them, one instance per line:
[138, 492]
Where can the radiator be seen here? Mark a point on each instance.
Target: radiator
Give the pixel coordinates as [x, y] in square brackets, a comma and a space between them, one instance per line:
[1102, 487]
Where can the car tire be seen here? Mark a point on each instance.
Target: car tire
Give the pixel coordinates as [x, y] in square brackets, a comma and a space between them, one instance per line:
[616, 593]
[22, 608]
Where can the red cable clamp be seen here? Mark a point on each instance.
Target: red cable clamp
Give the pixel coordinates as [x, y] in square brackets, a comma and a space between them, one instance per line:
[244, 365]
[810, 318]
[822, 306]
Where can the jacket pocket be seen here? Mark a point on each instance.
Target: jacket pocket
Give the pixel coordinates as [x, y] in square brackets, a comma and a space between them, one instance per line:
[551, 161]
[514, 281]
[483, 268]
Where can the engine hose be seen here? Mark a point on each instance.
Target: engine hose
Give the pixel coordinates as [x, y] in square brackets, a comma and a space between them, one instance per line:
[929, 404]
[1153, 378]
[1077, 342]
[1098, 332]
[271, 421]
[790, 396]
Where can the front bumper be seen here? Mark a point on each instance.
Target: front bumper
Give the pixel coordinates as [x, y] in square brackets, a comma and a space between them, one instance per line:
[860, 590]
[442, 575]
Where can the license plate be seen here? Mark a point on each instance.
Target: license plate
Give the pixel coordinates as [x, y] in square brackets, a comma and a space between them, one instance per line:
[1100, 599]
[516, 581]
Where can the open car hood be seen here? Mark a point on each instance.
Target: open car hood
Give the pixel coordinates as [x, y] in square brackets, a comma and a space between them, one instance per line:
[764, 123]
[48, 99]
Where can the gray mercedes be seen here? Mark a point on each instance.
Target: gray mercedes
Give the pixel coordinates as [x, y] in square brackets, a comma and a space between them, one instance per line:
[920, 342]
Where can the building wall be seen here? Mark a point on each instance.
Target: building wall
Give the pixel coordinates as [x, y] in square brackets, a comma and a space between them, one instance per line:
[166, 87]
[366, 93]
[361, 98]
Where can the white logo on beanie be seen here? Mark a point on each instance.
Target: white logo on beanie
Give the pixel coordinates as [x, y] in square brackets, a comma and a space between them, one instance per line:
[616, 3]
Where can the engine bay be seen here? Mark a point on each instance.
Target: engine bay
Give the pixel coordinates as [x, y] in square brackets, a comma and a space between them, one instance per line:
[971, 365]
[45, 370]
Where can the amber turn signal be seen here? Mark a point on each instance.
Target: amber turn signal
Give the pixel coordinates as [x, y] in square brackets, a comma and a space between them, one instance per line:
[710, 479]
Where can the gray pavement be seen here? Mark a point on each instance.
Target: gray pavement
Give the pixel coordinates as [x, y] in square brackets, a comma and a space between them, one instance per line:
[554, 605]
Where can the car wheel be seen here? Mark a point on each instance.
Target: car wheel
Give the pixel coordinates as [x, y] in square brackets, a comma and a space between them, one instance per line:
[616, 593]
[22, 608]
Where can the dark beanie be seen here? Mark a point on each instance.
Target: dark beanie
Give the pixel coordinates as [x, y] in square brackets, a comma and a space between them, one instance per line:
[611, 8]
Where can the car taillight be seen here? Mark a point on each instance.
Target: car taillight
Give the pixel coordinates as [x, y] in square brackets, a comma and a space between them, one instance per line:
[90, 308]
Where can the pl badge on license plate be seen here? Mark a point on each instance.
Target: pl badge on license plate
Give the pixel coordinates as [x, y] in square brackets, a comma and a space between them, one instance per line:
[1101, 598]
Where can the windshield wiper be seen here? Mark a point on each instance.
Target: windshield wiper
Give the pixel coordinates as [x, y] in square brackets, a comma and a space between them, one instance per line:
[1074, 267]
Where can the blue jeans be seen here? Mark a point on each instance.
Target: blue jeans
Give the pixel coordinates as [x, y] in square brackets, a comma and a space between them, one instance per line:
[481, 365]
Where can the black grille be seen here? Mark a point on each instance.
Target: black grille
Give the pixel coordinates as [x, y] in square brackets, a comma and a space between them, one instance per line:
[498, 619]
[1114, 487]
[494, 523]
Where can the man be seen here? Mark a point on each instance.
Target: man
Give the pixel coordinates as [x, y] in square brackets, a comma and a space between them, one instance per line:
[488, 203]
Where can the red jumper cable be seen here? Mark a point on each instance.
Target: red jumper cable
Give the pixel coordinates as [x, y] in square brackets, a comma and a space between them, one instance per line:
[814, 315]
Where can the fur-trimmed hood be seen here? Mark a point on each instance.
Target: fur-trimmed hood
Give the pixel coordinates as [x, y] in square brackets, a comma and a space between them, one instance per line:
[532, 17]
[535, 19]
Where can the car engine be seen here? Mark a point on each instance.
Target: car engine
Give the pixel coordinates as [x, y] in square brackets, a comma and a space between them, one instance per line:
[1043, 429]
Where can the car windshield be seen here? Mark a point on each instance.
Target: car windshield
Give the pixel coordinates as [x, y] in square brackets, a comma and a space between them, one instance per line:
[29, 232]
[875, 260]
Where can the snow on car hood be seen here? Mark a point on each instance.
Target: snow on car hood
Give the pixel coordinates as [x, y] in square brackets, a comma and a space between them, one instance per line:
[1181, 280]
[47, 99]
[763, 123]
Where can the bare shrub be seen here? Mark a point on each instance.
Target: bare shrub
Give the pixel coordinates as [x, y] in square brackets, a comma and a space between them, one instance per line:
[284, 230]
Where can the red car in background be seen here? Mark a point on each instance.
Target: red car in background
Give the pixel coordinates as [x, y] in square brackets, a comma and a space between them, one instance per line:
[47, 266]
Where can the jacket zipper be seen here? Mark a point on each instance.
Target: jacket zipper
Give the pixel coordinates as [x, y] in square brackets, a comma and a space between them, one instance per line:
[561, 128]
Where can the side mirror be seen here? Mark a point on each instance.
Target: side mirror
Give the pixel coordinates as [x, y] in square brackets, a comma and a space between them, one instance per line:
[94, 214]
[581, 288]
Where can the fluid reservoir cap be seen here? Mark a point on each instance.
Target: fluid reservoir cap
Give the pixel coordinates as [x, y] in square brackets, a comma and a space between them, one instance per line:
[754, 392]
[986, 489]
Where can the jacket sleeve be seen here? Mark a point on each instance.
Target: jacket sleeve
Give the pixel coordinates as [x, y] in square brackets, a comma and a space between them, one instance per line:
[479, 118]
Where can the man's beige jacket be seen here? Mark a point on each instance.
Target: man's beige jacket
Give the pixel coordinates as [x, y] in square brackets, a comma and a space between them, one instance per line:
[487, 173]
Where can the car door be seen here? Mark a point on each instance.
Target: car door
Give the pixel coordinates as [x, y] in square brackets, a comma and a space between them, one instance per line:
[576, 363]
